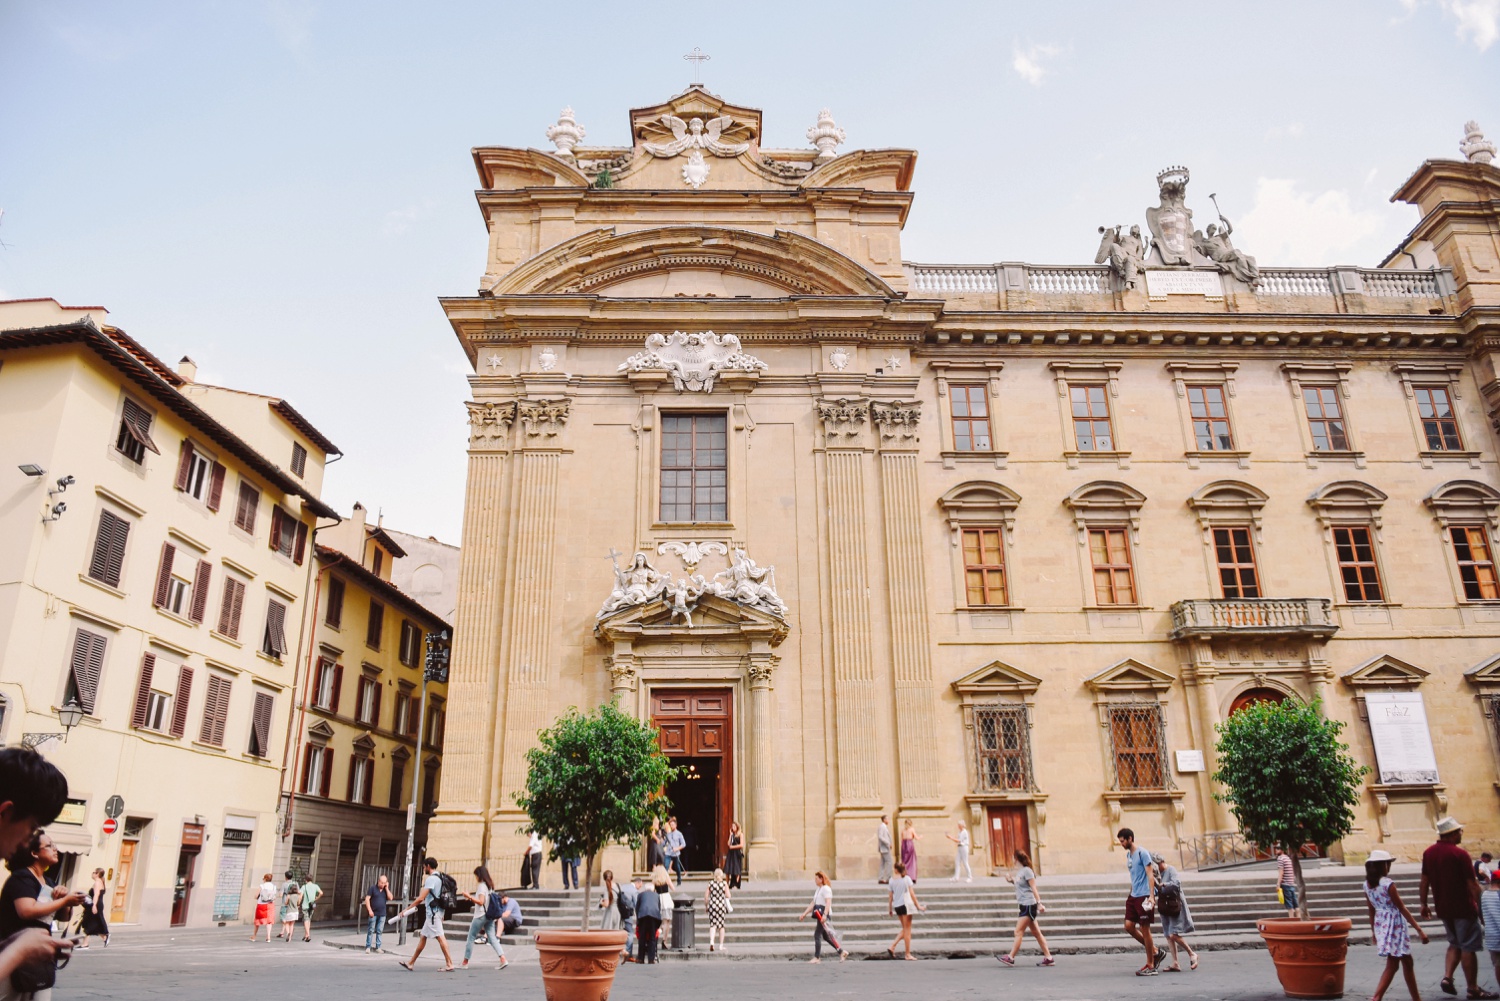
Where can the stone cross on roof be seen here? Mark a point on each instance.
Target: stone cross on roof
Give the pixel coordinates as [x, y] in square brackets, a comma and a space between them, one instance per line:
[698, 57]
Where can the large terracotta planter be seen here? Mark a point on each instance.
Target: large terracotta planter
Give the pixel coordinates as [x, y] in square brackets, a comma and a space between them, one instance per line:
[1309, 955]
[579, 965]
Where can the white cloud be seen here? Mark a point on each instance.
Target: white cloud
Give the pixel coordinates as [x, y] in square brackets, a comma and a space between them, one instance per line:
[1289, 227]
[1028, 61]
[1475, 20]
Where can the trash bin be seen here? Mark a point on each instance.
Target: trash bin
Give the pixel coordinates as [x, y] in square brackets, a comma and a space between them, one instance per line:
[684, 929]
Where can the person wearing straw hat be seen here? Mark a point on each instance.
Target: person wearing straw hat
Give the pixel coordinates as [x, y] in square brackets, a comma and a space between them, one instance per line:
[1388, 920]
[1448, 873]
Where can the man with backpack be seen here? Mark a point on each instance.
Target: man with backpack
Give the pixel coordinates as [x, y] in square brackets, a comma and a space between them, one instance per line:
[440, 897]
[625, 896]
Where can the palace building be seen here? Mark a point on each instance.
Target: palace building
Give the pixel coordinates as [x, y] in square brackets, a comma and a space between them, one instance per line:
[994, 544]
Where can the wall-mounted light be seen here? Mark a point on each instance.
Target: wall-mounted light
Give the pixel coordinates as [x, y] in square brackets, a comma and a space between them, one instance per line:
[57, 512]
[63, 483]
[32, 469]
[69, 716]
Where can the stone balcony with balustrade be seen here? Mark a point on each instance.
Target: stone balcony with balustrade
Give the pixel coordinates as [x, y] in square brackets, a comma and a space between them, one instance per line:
[1209, 618]
[1095, 288]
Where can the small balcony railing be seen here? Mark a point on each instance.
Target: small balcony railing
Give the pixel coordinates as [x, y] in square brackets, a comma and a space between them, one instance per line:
[1258, 616]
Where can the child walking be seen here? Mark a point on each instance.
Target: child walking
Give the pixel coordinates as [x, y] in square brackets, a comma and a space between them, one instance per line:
[1388, 920]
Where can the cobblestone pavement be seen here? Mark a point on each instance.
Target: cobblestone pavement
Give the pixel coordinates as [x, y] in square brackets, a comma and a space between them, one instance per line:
[221, 965]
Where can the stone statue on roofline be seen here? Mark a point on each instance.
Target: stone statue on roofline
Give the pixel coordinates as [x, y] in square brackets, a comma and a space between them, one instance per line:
[1125, 252]
[1217, 248]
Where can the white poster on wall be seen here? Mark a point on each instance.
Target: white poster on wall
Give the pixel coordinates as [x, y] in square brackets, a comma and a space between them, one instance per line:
[1403, 745]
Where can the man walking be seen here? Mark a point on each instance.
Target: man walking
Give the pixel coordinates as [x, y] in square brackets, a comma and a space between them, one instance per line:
[531, 869]
[961, 854]
[431, 898]
[884, 844]
[311, 892]
[376, 899]
[625, 897]
[672, 849]
[1140, 906]
[1448, 871]
[1286, 880]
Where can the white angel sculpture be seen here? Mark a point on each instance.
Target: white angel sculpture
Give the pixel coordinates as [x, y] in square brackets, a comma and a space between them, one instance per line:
[695, 134]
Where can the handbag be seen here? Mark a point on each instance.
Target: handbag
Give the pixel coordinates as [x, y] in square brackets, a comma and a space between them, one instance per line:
[32, 977]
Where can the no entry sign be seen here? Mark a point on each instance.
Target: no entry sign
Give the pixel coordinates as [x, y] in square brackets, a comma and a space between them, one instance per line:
[110, 824]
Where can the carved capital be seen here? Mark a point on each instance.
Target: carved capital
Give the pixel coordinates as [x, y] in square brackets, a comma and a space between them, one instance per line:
[762, 669]
[542, 419]
[623, 676]
[845, 422]
[489, 423]
[897, 423]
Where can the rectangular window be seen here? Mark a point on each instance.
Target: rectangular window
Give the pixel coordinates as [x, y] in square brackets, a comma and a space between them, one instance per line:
[283, 536]
[134, 436]
[411, 643]
[378, 561]
[108, 558]
[1439, 425]
[361, 777]
[273, 642]
[231, 607]
[369, 701]
[1357, 567]
[1325, 419]
[1002, 748]
[429, 787]
[299, 459]
[260, 724]
[375, 625]
[1114, 580]
[1210, 418]
[398, 783]
[215, 711]
[402, 722]
[694, 468]
[157, 706]
[971, 418]
[316, 769]
[1137, 736]
[984, 566]
[1091, 431]
[335, 614]
[199, 469]
[177, 594]
[327, 684]
[1236, 557]
[84, 668]
[1476, 567]
[245, 507]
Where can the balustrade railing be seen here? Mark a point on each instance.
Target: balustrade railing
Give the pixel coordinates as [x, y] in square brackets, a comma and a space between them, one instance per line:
[1401, 284]
[1230, 614]
[1286, 281]
[1062, 281]
[954, 278]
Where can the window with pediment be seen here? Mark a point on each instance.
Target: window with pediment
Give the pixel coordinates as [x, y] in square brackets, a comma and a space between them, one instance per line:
[981, 519]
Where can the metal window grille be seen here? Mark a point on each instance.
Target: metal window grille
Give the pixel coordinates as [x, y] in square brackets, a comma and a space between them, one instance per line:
[1138, 745]
[1002, 749]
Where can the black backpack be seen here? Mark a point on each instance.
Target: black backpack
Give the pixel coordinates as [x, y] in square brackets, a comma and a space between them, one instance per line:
[1169, 900]
[493, 908]
[625, 911]
[448, 897]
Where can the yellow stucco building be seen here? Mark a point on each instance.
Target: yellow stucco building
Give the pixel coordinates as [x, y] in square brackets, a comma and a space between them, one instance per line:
[996, 544]
[156, 558]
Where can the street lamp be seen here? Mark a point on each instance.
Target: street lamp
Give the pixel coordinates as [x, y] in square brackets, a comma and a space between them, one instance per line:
[69, 716]
[435, 669]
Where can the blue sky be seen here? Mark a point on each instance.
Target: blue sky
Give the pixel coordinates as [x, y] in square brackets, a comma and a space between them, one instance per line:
[282, 190]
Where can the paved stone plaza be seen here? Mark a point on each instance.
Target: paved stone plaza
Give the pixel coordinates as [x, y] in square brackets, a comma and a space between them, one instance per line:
[221, 965]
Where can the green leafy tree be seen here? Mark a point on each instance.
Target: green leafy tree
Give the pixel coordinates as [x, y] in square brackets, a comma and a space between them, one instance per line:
[1288, 778]
[595, 779]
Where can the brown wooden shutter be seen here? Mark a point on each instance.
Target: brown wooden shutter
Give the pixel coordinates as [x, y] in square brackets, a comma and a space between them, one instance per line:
[276, 516]
[307, 750]
[180, 703]
[215, 710]
[335, 615]
[88, 662]
[369, 790]
[184, 464]
[300, 549]
[109, 549]
[229, 608]
[216, 487]
[143, 691]
[350, 794]
[260, 724]
[138, 420]
[375, 707]
[374, 625]
[275, 628]
[164, 574]
[247, 506]
[199, 607]
[338, 685]
[327, 771]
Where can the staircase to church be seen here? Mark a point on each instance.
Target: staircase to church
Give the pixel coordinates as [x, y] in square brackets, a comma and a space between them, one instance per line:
[965, 919]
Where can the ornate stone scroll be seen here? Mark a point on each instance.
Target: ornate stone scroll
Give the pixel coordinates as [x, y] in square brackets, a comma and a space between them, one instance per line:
[693, 361]
[692, 553]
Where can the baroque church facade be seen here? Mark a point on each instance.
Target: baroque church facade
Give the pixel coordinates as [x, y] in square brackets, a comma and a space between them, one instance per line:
[995, 545]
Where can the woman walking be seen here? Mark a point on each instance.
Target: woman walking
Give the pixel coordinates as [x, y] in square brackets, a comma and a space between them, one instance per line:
[291, 909]
[909, 839]
[265, 907]
[654, 854]
[902, 901]
[1029, 903]
[716, 903]
[734, 858]
[93, 911]
[1176, 920]
[481, 923]
[609, 904]
[29, 902]
[1388, 920]
[821, 909]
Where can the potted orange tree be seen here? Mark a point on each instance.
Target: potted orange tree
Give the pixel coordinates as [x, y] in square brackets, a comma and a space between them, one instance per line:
[1288, 778]
[594, 779]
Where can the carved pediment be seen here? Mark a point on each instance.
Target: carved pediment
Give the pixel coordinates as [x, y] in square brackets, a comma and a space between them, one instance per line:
[1384, 671]
[365, 744]
[713, 617]
[995, 678]
[320, 732]
[1130, 675]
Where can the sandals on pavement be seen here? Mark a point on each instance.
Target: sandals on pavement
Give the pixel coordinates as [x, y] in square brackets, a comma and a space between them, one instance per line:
[1174, 968]
[1193, 963]
[1480, 994]
[405, 966]
[1447, 985]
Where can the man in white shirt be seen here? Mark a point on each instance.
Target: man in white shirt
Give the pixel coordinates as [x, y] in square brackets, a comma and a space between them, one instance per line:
[432, 925]
[533, 875]
[961, 854]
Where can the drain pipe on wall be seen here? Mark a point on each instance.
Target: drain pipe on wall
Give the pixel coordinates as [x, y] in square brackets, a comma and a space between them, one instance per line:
[304, 635]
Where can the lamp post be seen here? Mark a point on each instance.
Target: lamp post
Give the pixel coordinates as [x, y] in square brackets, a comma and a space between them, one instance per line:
[69, 716]
[435, 669]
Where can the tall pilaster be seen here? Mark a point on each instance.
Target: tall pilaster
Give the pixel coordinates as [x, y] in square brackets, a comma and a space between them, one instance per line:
[457, 831]
[911, 651]
[764, 857]
[846, 434]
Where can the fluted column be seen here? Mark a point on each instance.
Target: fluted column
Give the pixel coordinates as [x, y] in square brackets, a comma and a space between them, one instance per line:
[764, 856]
[458, 829]
[911, 651]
